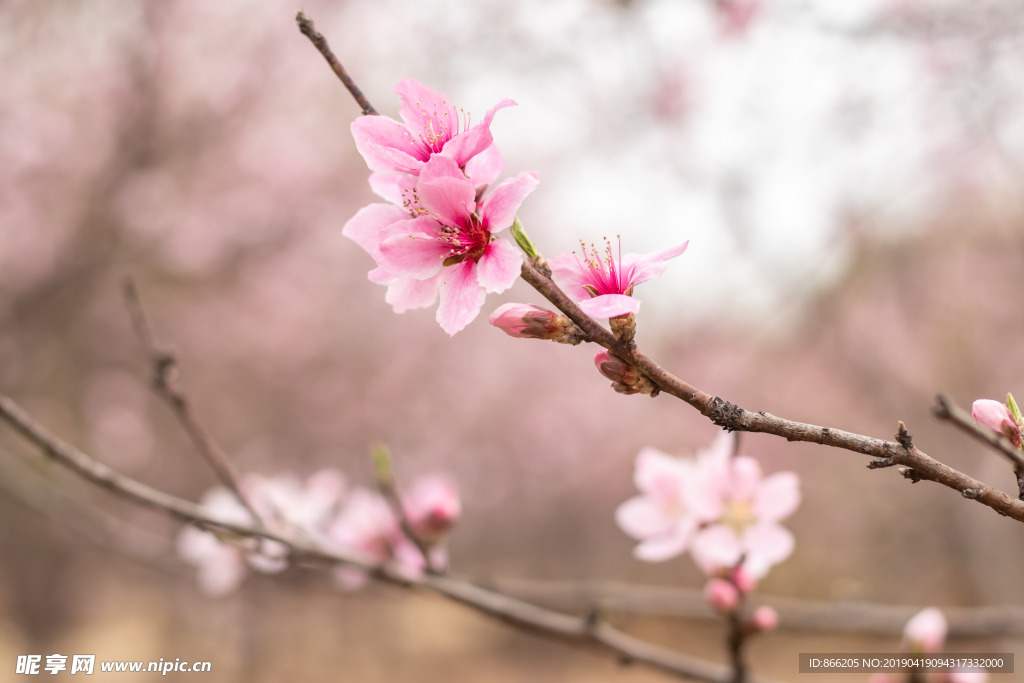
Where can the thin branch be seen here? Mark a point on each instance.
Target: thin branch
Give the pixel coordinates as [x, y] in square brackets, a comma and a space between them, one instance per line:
[794, 613]
[385, 475]
[947, 410]
[518, 613]
[164, 365]
[308, 29]
[734, 418]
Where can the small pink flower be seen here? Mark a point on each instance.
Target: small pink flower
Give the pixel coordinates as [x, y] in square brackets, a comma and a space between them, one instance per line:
[998, 418]
[367, 525]
[526, 320]
[721, 595]
[221, 566]
[925, 633]
[615, 369]
[659, 517]
[743, 510]
[742, 579]
[603, 285]
[440, 239]
[431, 126]
[764, 618]
[433, 508]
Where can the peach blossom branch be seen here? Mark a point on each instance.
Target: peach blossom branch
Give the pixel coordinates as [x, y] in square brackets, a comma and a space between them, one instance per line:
[947, 410]
[916, 464]
[163, 383]
[523, 615]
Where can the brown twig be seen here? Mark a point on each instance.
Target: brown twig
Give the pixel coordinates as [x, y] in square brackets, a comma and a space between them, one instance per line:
[308, 29]
[734, 418]
[794, 613]
[518, 613]
[163, 383]
[385, 475]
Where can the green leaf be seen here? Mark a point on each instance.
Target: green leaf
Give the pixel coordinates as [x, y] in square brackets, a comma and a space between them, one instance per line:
[1012, 405]
[523, 240]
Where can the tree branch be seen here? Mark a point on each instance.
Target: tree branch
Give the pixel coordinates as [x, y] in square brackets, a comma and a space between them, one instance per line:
[163, 384]
[734, 418]
[308, 29]
[518, 613]
[794, 613]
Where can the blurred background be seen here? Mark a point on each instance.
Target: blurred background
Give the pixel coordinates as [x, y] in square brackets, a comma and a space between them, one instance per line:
[848, 175]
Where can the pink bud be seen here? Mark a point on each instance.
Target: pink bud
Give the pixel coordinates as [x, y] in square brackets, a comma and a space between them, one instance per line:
[721, 595]
[997, 417]
[926, 630]
[764, 618]
[743, 580]
[433, 507]
[525, 320]
[614, 369]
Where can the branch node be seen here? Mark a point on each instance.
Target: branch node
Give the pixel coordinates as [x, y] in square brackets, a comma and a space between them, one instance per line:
[973, 494]
[724, 414]
[903, 437]
[909, 473]
[879, 463]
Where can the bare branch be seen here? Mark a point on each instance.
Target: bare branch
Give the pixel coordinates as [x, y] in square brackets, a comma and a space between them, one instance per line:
[164, 366]
[518, 613]
[308, 29]
[794, 613]
[734, 418]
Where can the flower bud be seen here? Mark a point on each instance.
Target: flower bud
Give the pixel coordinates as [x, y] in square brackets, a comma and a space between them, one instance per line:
[433, 508]
[721, 595]
[614, 369]
[743, 580]
[526, 320]
[764, 618]
[926, 630]
[997, 417]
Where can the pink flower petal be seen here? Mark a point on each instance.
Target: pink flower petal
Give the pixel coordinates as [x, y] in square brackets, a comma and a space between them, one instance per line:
[610, 306]
[998, 418]
[425, 110]
[640, 517]
[743, 476]
[451, 200]
[386, 145]
[571, 275]
[766, 542]
[499, 209]
[386, 186]
[499, 267]
[461, 297]
[416, 255]
[643, 267]
[406, 294]
[365, 227]
[714, 548]
[926, 631]
[379, 276]
[667, 545]
[484, 168]
[777, 497]
[441, 167]
[660, 475]
[467, 145]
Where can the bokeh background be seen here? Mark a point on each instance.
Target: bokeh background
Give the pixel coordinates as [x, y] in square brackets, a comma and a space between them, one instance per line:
[848, 175]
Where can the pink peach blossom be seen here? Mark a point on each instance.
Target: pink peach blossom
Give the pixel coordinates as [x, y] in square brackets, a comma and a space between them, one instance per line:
[746, 509]
[431, 126]
[441, 240]
[603, 285]
[764, 618]
[721, 595]
[998, 418]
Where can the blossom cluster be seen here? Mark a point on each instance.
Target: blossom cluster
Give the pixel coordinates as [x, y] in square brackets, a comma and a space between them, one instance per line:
[436, 233]
[321, 508]
[720, 508]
